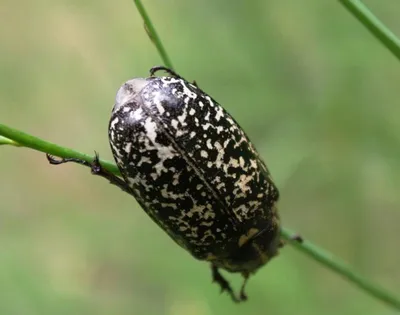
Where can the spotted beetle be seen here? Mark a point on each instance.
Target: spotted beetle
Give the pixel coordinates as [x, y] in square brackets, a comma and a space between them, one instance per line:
[194, 171]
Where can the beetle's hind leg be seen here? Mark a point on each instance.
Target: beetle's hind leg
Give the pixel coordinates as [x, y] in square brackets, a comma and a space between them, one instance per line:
[223, 283]
[96, 169]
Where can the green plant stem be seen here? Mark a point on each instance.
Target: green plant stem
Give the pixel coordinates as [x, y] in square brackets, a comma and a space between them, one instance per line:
[374, 25]
[29, 141]
[323, 257]
[333, 263]
[153, 34]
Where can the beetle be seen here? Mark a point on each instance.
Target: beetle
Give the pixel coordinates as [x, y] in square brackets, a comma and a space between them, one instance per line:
[195, 172]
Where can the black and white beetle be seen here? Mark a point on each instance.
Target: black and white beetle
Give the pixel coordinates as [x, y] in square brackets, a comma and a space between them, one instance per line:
[194, 171]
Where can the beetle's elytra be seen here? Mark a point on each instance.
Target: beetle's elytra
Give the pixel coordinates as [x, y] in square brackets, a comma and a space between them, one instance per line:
[194, 171]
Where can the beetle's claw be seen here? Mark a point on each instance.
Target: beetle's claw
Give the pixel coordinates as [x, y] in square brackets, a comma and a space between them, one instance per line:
[153, 71]
[53, 160]
[57, 161]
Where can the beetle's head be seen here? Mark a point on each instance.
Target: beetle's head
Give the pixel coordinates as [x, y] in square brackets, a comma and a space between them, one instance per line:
[256, 250]
[253, 249]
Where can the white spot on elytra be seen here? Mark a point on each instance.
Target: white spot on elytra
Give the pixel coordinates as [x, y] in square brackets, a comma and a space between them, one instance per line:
[210, 101]
[206, 126]
[115, 121]
[151, 127]
[128, 147]
[243, 181]
[180, 132]
[158, 98]
[163, 153]
[174, 123]
[137, 114]
[233, 162]
[220, 155]
[208, 144]
[219, 114]
[204, 154]
[182, 118]
[241, 162]
[144, 159]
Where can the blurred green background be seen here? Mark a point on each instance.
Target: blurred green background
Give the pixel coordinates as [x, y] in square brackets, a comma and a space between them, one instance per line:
[317, 94]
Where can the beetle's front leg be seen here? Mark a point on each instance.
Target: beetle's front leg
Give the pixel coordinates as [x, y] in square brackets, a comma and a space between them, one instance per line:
[243, 295]
[223, 283]
[168, 70]
[96, 169]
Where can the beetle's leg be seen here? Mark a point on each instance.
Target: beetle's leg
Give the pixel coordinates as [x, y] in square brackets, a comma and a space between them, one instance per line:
[223, 283]
[243, 295]
[96, 169]
[54, 161]
[295, 237]
[168, 70]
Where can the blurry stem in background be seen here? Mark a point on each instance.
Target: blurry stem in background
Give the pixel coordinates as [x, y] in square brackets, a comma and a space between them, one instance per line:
[374, 25]
[152, 33]
[325, 258]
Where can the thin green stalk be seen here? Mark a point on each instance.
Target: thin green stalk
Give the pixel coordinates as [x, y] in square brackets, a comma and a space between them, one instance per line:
[333, 263]
[323, 257]
[153, 34]
[29, 141]
[374, 25]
